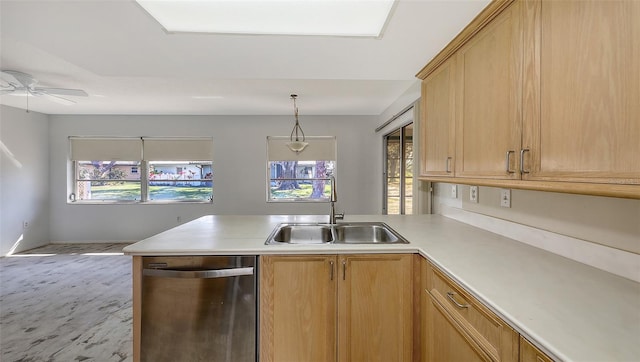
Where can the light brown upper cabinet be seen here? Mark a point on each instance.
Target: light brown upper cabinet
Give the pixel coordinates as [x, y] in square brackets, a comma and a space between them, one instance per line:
[344, 308]
[582, 91]
[488, 102]
[546, 98]
[438, 122]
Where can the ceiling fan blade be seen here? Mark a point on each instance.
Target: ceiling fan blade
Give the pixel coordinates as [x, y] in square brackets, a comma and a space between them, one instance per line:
[4, 84]
[62, 92]
[55, 98]
[8, 78]
[18, 78]
[7, 87]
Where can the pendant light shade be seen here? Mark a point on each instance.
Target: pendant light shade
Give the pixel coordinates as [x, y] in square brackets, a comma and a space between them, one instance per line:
[296, 144]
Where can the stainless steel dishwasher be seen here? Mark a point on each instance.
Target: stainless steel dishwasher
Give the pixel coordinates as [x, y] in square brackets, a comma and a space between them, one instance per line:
[198, 308]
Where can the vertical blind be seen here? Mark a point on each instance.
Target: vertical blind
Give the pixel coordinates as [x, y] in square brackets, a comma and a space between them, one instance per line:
[136, 149]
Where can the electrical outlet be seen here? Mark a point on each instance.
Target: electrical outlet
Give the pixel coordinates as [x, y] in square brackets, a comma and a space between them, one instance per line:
[473, 194]
[179, 219]
[505, 197]
[25, 224]
[454, 191]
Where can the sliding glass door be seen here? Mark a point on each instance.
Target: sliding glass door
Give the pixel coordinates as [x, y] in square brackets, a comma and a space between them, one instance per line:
[398, 176]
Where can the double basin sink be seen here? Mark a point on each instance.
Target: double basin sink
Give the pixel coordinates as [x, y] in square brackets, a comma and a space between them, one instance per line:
[341, 233]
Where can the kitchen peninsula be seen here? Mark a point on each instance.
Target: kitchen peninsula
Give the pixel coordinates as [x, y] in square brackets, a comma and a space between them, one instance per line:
[571, 311]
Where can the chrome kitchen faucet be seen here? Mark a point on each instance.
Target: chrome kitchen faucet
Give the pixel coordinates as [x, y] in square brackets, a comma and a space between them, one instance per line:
[334, 197]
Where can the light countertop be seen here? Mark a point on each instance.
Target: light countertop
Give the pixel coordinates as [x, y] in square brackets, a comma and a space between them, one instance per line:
[572, 311]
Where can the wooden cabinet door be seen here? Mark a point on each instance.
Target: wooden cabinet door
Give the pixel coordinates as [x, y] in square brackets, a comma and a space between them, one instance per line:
[437, 127]
[582, 91]
[375, 302]
[488, 102]
[298, 308]
[530, 353]
[423, 293]
[445, 339]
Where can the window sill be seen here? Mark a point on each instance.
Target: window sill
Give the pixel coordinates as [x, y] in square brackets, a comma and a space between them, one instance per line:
[136, 202]
[325, 201]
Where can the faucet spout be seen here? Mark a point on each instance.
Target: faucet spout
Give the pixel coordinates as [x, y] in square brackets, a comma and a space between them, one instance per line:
[333, 216]
[334, 193]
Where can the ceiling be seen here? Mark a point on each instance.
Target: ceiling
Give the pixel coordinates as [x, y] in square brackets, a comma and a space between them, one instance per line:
[128, 64]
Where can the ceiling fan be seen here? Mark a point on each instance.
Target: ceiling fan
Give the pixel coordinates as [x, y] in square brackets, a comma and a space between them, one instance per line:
[18, 83]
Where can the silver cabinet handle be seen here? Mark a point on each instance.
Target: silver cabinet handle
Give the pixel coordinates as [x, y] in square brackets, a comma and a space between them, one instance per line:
[197, 274]
[344, 270]
[522, 151]
[451, 298]
[448, 165]
[331, 272]
[508, 164]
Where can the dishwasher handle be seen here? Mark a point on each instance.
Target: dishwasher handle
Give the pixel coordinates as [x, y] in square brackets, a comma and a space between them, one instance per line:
[197, 274]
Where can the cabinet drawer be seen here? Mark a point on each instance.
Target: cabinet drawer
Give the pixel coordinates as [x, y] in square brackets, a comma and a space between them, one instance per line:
[493, 335]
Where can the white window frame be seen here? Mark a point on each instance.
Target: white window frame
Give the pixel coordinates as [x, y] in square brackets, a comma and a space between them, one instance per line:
[74, 197]
[79, 146]
[320, 148]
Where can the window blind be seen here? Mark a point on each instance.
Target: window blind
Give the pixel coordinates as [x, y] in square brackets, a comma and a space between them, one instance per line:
[320, 148]
[105, 149]
[178, 149]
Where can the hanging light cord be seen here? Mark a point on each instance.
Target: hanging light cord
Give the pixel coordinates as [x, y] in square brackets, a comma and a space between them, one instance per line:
[297, 127]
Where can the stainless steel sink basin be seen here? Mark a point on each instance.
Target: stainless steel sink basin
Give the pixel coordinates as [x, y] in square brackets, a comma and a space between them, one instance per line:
[301, 234]
[343, 233]
[367, 233]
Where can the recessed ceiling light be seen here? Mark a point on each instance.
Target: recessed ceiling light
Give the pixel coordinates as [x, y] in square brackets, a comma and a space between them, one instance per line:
[365, 18]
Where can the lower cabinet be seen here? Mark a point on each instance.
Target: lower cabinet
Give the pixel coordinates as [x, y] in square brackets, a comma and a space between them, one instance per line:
[456, 327]
[530, 353]
[336, 307]
[297, 309]
[360, 307]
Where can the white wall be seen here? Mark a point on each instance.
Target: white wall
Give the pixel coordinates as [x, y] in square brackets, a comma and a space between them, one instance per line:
[24, 179]
[239, 171]
[609, 221]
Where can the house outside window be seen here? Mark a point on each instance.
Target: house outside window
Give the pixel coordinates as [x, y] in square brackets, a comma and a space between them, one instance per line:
[186, 181]
[303, 176]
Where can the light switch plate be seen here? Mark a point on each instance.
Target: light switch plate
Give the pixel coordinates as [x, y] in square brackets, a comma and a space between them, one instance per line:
[473, 194]
[454, 191]
[505, 197]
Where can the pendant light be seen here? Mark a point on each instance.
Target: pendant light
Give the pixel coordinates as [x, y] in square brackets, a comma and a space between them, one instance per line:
[296, 145]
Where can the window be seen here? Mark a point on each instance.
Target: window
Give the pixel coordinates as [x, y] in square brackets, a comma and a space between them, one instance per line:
[303, 176]
[141, 169]
[178, 169]
[107, 180]
[186, 181]
[399, 171]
